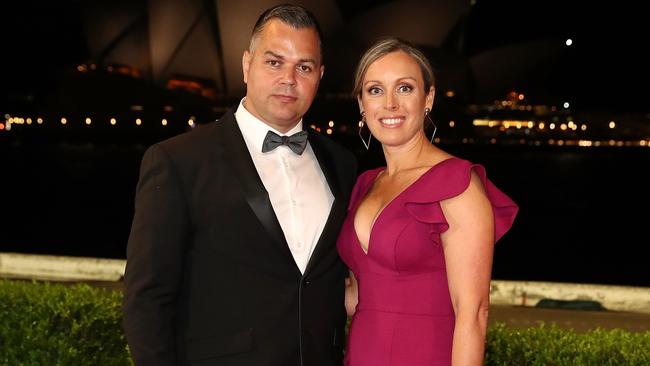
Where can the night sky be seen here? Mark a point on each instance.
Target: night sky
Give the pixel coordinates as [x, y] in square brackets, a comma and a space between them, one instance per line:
[605, 68]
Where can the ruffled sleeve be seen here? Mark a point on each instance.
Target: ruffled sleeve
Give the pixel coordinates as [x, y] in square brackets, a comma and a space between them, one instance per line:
[448, 179]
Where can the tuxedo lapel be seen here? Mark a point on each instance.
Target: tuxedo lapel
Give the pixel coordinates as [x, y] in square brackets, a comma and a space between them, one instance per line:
[330, 230]
[325, 161]
[238, 158]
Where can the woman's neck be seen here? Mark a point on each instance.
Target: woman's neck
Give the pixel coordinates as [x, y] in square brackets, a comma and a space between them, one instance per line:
[407, 156]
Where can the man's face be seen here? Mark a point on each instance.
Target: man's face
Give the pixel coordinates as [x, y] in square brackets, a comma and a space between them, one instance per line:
[282, 74]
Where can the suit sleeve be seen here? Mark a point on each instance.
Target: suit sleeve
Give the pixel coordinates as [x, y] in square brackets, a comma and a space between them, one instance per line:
[155, 255]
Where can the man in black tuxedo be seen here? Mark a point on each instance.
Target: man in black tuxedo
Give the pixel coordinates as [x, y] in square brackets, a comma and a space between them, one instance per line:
[232, 258]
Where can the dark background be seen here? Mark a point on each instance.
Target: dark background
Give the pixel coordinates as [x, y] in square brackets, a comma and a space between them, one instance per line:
[584, 211]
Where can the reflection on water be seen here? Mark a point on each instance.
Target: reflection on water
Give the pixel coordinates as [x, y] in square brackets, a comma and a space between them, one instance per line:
[583, 212]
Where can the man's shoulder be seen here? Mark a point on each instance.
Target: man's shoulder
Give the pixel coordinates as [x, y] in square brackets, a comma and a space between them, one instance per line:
[332, 146]
[343, 158]
[188, 140]
[200, 138]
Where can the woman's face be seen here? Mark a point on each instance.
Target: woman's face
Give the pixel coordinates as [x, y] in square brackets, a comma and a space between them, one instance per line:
[394, 99]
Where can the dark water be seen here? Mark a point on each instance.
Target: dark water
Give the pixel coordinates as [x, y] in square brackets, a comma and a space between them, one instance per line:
[583, 211]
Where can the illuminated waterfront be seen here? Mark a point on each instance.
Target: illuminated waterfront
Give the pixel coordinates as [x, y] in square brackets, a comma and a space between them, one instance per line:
[577, 222]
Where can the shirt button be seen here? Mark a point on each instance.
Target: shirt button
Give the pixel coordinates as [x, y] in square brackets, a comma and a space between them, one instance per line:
[307, 283]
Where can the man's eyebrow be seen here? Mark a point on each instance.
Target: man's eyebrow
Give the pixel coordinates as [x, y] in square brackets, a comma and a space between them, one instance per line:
[270, 53]
[306, 60]
[302, 60]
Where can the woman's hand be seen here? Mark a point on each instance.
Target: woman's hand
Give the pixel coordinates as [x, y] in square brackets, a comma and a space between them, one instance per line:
[351, 294]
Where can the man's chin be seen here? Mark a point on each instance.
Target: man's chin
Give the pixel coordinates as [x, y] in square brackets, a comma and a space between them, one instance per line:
[287, 118]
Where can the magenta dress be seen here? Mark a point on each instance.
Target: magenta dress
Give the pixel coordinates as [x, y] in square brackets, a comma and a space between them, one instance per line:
[405, 316]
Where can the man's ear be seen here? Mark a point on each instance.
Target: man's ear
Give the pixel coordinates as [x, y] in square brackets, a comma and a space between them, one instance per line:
[322, 71]
[246, 64]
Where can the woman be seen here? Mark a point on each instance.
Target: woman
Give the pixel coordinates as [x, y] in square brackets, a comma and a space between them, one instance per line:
[420, 232]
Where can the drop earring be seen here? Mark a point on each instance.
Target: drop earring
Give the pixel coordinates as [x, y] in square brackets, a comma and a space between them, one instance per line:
[435, 128]
[361, 124]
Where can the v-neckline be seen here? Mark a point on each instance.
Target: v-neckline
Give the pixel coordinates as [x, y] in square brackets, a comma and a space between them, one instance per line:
[380, 212]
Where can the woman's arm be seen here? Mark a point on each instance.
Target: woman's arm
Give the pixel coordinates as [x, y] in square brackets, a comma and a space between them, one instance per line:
[468, 247]
[351, 294]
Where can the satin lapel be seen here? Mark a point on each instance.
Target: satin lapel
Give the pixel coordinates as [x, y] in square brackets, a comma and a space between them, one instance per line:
[325, 161]
[331, 230]
[252, 188]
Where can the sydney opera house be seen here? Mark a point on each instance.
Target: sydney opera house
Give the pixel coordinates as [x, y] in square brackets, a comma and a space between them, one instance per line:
[169, 64]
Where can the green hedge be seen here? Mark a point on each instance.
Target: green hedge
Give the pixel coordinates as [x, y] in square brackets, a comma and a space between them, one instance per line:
[51, 324]
[552, 346]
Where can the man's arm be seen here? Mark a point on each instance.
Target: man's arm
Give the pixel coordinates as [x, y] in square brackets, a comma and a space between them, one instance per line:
[155, 255]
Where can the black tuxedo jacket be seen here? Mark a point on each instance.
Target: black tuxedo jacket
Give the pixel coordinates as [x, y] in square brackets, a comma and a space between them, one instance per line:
[210, 279]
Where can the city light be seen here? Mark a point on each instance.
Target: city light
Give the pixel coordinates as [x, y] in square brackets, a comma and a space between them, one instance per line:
[568, 42]
[542, 127]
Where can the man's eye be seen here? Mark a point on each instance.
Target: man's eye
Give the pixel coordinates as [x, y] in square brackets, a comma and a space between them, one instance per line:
[273, 63]
[304, 68]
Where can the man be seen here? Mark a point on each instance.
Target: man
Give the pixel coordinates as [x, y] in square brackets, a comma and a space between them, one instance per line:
[232, 258]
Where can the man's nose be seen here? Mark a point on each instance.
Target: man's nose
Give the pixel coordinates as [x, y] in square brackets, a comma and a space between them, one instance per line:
[289, 76]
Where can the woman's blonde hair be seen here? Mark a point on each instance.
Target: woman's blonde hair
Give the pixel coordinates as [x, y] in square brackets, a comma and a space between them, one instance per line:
[389, 45]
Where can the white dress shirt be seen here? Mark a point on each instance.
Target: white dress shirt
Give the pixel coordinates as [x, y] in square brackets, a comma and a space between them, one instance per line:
[299, 193]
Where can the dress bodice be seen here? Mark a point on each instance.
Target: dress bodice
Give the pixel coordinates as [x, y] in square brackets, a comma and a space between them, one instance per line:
[403, 278]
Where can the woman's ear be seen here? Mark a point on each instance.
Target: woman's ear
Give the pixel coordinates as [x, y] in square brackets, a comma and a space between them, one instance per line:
[430, 96]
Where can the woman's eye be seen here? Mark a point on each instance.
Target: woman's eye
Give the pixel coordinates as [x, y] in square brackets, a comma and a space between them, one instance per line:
[405, 89]
[374, 90]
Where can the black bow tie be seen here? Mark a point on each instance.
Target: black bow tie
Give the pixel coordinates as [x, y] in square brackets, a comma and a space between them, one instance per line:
[296, 142]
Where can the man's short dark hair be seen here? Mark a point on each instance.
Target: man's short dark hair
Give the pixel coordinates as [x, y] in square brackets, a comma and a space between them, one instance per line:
[293, 15]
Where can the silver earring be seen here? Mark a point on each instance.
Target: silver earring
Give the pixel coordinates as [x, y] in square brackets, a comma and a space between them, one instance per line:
[435, 128]
[361, 124]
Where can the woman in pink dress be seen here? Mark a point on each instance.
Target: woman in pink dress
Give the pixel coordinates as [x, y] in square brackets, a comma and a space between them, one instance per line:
[420, 232]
